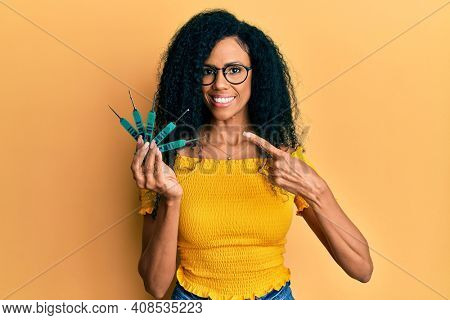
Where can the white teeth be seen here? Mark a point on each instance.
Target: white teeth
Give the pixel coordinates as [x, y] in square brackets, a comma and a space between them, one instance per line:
[223, 100]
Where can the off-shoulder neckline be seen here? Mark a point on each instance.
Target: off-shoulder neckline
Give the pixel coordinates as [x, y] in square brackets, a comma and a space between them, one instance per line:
[217, 160]
[299, 148]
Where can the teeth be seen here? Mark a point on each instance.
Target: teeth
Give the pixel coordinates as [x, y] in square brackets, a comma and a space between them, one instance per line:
[223, 100]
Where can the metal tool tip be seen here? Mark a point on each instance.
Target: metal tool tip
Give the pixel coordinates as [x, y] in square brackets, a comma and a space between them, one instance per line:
[114, 111]
[131, 98]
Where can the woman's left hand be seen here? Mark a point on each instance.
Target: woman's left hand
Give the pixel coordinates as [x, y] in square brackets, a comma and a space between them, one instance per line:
[290, 173]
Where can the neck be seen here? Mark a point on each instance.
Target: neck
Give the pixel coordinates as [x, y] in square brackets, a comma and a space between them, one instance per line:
[227, 132]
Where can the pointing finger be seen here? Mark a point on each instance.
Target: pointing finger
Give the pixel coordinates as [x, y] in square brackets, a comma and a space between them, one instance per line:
[266, 145]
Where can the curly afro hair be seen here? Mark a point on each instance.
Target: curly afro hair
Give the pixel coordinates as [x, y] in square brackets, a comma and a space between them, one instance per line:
[272, 107]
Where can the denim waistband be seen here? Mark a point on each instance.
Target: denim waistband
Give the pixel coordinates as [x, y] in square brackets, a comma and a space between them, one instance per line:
[284, 293]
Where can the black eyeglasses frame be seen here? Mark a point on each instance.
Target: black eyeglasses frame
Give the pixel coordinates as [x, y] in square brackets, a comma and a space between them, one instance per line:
[216, 70]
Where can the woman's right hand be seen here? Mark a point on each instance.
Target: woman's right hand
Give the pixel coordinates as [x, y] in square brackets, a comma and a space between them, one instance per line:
[150, 172]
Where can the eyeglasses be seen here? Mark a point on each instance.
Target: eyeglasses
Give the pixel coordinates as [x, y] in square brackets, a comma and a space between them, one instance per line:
[235, 74]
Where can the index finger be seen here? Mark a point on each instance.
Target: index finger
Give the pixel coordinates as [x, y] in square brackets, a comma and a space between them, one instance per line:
[139, 142]
[159, 166]
[266, 145]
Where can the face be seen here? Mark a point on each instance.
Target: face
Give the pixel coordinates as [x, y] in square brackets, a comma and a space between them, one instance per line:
[225, 51]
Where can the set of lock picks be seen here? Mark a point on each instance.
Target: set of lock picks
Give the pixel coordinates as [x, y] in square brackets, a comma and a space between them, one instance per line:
[147, 131]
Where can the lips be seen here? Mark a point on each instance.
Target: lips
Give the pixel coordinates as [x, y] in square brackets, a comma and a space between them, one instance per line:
[221, 101]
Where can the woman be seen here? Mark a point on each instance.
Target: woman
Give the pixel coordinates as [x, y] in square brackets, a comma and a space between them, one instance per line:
[226, 202]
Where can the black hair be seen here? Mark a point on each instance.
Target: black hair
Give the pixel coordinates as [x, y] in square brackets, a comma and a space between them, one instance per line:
[272, 106]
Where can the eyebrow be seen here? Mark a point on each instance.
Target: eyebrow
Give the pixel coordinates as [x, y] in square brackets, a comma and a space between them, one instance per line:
[225, 65]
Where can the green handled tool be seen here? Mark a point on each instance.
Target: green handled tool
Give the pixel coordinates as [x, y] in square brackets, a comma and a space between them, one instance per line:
[167, 129]
[137, 118]
[174, 144]
[151, 121]
[124, 122]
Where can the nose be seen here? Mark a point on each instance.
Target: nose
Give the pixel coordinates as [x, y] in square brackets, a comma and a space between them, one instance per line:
[221, 82]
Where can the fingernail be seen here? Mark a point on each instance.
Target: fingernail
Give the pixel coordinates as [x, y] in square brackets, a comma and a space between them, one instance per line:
[153, 144]
[245, 134]
[146, 144]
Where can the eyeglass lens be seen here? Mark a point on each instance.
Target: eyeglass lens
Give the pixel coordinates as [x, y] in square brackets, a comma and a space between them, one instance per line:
[235, 74]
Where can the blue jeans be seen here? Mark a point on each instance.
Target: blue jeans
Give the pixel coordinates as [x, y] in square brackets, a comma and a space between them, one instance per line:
[285, 293]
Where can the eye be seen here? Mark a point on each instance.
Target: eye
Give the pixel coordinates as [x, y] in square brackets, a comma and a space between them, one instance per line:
[207, 71]
[234, 69]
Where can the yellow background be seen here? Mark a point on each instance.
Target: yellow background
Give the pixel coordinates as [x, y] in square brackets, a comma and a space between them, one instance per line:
[375, 87]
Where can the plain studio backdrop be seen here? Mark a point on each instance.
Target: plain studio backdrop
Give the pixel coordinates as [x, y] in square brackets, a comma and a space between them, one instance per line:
[372, 79]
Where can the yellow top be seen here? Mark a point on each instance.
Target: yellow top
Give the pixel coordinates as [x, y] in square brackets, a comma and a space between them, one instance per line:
[232, 227]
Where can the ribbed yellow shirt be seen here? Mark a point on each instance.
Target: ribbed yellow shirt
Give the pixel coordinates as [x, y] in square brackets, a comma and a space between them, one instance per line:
[232, 227]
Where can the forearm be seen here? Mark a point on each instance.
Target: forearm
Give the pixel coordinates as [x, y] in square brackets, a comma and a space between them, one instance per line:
[350, 248]
[158, 260]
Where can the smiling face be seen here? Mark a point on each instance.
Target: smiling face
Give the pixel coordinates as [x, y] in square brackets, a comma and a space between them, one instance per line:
[226, 100]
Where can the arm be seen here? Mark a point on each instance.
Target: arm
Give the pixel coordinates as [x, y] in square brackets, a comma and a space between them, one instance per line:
[340, 236]
[310, 217]
[157, 264]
